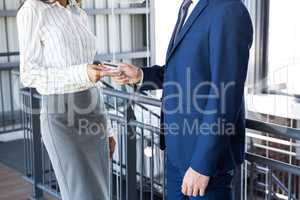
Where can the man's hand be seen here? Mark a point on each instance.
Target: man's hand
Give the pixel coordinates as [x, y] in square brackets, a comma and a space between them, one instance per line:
[112, 146]
[130, 74]
[194, 184]
[97, 72]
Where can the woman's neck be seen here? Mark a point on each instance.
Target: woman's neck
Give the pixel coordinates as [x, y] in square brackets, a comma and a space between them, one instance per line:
[64, 3]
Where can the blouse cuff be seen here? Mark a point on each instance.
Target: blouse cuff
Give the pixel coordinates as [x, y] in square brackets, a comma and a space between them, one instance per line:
[110, 131]
[81, 74]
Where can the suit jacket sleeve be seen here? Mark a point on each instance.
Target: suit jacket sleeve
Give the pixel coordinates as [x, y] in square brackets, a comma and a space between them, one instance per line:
[230, 41]
[153, 78]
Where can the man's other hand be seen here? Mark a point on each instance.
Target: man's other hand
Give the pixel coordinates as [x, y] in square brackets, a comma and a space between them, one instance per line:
[194, 184]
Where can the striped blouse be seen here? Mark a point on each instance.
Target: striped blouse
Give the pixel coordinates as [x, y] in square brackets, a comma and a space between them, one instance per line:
[55, 47]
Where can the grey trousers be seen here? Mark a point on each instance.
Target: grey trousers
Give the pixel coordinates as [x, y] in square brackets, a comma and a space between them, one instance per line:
[73, 130]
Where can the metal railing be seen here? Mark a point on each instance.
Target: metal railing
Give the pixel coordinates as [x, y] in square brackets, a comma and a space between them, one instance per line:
[138, 170]
[138, 165]
[271, 171]
[10, 112]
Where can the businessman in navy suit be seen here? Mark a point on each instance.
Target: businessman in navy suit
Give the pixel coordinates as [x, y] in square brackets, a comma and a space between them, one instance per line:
[203, 115]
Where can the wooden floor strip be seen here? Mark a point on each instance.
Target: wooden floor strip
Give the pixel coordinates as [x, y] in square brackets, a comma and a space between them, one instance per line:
[13, 186]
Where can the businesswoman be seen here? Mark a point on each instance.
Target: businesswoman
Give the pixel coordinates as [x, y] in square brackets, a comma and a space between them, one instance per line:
[56, 52]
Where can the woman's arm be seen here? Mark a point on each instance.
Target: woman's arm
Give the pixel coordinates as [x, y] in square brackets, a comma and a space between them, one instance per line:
[109, 129]
[33, 73]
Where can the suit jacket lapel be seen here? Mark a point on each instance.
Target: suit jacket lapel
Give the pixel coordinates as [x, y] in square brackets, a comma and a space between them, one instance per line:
[171, 44]
[196, 12]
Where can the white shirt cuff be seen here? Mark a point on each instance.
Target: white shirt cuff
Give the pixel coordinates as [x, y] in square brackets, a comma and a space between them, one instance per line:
[139, 84]
[109, 129]
[81, 74]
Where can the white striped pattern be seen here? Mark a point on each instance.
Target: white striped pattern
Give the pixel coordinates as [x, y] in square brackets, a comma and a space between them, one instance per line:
[55, 47]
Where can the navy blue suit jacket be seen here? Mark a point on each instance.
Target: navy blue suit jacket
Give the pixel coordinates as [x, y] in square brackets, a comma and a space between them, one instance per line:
[203, 88]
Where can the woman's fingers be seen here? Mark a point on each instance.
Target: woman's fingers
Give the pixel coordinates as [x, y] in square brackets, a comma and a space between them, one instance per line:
[112, 147]
[97, 67]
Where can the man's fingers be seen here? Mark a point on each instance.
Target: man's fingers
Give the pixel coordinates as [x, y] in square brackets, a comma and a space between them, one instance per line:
[196, 191]
[112, 73]
[121, 79]
[202, 192]
[123, 65]
[127, 68]
[189, 191]
[203, 187]
[184, 189]
[122, 82]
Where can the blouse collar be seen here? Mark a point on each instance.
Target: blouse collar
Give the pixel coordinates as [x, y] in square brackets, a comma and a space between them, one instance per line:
[72, 3]
[73, 6]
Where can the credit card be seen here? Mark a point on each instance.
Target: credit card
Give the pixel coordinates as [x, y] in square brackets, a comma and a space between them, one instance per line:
[110, 65]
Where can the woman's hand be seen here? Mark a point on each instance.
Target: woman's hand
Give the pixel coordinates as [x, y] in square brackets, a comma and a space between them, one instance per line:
[112, 146]
[97, 72]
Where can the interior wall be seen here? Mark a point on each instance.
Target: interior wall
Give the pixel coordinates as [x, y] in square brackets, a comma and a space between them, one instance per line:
[166, 12]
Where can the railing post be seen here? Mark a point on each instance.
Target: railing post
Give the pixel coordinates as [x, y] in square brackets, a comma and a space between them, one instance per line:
[269, 184]
[37, 146]
[131, 154]
[252, 179]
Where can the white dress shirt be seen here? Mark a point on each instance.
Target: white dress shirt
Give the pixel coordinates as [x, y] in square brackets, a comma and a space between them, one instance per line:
[56, 46]
[191, 8]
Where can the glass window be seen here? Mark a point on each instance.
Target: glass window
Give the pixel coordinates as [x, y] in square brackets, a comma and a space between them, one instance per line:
[284, 46]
